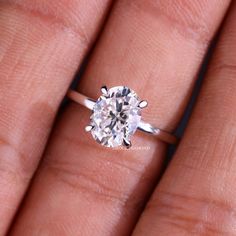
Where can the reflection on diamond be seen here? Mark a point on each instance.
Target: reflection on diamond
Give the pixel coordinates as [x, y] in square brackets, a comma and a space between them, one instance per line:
[116, 116]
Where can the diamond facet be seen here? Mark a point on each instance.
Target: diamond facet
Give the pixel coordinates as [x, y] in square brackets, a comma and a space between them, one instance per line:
[116, 116]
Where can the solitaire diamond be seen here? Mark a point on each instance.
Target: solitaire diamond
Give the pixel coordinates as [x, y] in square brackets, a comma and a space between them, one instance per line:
[116, 116]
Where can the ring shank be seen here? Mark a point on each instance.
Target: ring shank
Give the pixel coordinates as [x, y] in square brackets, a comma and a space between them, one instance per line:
[81, 99]
[160, 134]
[143, 126]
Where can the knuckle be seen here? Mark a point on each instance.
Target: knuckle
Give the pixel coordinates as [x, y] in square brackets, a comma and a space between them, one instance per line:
[13, 164]
[86, 181]
[63, 18]
[200, 216]
[221, 66]
[100, 178]
[186, 17]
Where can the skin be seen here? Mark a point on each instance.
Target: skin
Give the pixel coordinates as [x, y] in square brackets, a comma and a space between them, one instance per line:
[65, 183]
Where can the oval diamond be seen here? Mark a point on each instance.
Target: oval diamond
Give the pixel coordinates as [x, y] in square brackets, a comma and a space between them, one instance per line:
[116, 116]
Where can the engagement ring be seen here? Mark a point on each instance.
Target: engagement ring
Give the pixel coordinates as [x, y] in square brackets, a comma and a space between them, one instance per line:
[116, 116]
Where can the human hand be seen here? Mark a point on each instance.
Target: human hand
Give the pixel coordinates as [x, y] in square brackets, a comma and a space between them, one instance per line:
[70, 184]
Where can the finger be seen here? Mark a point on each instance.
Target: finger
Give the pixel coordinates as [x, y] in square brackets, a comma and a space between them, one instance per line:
[41, 45]
[197, 194]
[155, 49]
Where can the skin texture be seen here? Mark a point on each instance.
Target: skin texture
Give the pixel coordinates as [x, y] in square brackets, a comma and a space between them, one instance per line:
[196, 195]
[36, 68]
[80, 188]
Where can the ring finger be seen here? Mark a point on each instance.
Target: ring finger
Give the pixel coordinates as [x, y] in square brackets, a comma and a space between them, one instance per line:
[81, 187]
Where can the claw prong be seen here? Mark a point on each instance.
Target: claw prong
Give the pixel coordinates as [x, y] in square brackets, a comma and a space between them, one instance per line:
[127, 143]
[104, 89]
[143, 104]
[88, 128]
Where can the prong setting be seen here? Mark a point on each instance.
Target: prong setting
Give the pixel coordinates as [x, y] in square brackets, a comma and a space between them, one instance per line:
[88, 128]
[143, 104]
[127, 143]
[104, 90]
